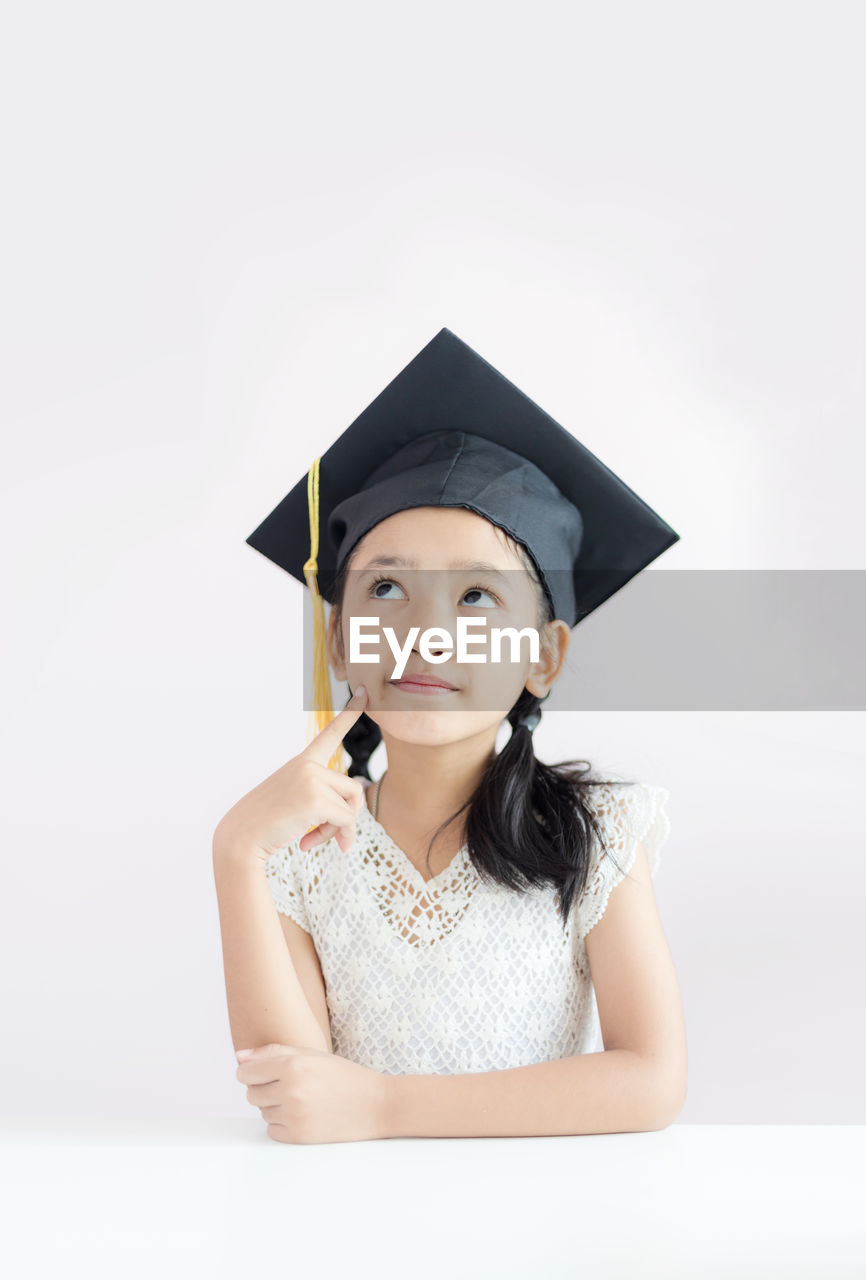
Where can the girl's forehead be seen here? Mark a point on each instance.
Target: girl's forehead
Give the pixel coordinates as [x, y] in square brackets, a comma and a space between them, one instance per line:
[436, 534]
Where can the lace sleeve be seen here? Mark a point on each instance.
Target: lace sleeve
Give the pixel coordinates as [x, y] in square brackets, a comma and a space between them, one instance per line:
[629, 816]
[284, 874]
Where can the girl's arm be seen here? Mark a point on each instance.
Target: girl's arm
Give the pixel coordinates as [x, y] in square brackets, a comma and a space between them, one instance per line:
[638, 1082]
[267, 1000]
[615, 1091]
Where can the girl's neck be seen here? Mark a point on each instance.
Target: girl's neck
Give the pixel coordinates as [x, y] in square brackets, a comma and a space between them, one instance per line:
[425, 787]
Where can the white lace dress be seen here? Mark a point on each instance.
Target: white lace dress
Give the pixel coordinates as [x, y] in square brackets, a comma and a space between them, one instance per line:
[453, 974]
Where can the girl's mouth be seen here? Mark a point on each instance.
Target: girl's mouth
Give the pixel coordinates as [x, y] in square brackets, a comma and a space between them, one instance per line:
[426, 687]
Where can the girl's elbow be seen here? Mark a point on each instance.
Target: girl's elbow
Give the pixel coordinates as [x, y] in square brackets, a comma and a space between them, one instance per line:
[664, 1092]
[668, 1102]
[667, 1065]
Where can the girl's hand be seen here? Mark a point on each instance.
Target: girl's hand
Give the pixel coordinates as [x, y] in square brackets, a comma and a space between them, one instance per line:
[310, 1095]
[303, 793]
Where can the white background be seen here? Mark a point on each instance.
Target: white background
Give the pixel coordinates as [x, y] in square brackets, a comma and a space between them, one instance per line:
[225, 229]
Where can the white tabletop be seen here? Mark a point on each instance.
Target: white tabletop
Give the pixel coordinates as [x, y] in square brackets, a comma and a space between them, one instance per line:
[219, 1198]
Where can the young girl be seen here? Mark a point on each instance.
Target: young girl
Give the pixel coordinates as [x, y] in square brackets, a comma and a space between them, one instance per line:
[470, 946]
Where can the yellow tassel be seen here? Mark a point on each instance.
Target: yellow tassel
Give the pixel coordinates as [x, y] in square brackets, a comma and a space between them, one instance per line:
[322, 712]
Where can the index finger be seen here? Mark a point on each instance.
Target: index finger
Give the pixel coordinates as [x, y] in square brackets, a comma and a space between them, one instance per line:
[326, 742]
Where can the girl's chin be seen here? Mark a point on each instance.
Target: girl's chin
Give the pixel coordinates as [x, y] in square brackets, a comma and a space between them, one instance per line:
[444, 722]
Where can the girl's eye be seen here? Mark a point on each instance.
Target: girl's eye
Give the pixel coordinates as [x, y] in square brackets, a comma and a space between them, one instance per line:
[474, 591]
[382, 582]
[389, 582]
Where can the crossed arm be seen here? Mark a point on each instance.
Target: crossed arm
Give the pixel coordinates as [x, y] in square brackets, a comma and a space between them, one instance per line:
[637, 1082]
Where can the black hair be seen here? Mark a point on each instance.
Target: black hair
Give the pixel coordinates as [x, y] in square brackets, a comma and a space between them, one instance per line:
[527, 822]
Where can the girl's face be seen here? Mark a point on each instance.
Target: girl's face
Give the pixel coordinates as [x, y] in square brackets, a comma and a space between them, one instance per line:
[410, 572]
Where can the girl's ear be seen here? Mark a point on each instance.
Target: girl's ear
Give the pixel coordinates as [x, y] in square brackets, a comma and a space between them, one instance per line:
[556, 641]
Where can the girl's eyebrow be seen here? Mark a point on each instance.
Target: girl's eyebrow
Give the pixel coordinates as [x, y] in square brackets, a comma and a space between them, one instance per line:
[400, 562]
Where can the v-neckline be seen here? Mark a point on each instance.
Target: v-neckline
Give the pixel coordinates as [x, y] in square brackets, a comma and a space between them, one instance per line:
[456, 864]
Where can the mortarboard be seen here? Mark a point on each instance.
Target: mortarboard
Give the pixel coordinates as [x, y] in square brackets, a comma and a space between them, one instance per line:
[450, 430]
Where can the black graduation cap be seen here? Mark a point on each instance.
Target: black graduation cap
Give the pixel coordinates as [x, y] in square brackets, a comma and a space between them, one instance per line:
[450, 430]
